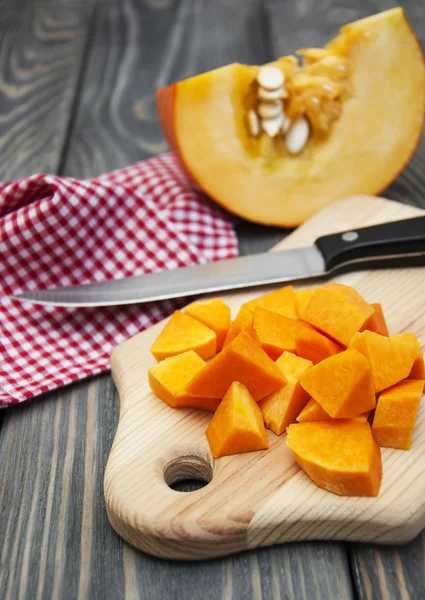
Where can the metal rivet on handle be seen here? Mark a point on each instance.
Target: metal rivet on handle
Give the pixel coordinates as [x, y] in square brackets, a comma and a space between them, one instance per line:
[350, 236]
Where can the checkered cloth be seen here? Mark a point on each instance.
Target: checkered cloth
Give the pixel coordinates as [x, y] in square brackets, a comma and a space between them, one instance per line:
[57, 231]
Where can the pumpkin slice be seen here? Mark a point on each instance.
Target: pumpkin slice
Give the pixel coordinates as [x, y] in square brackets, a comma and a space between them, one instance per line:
[391, 358]
[342, 385]
[340, 457]
[281, 301]
[182, 333]
[213, 313]
[242, 360]
[395, 415]
[313, 412]
[377, 322]
[170, 377]
[242, 322]
[355, 145]
[237, 425]
[337, 311]
[280, 408]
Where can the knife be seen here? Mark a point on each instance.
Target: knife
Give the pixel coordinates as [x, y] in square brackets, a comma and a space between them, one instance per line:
[398, 243]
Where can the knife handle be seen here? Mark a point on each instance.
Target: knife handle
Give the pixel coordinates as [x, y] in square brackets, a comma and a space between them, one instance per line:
[399, 239]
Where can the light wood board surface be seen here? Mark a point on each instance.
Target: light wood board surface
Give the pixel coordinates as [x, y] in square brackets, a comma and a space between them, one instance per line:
[260, 498]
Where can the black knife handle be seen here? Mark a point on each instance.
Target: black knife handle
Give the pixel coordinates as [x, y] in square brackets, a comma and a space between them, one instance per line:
[397, 239]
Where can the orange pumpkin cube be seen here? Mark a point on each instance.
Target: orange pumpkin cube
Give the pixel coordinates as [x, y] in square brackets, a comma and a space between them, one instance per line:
[274, 332]
[237, 425]
[281, 301]
[418, 369]
[182, 333]
[339, 456]
[341, 384]
[242, 360]
[337, 312]
[395, 415]
[242, 322]
[314, 346]
[281, 407]
[169, 378]
[377, 322]
[302, 298]
[391, 358]
[313, 412]
[213, 313]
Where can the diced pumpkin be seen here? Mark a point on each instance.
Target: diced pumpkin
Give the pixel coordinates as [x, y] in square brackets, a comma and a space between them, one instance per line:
[350, 294]
[313, 412]
[170, 377]
[237, 425]
[336, 312]
[183, 333]
[418, 369]
[242, 322]
[301, 299]
[281, 407]
[341, 384]
[242, 360]
[281, 301]
[213, 313]
[274, 332]
[391, 358]
[395, 415]
[313, 345]
[377, 322]
[339, 456]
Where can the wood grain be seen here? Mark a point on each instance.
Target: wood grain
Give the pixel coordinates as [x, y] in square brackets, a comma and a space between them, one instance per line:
[260, 498]
[42, 45]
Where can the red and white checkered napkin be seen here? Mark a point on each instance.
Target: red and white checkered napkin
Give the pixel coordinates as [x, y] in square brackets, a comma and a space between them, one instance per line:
[57, 231]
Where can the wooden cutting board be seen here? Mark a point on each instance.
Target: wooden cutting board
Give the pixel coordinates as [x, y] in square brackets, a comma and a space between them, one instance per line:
[259, 498]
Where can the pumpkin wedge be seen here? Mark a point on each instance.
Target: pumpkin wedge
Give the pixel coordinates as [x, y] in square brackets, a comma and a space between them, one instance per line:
[313, 412]
[213, 313]
[281, 407]
[182, 333]
[341, 384]
[340, 457]
[170, 377]
[391, 358]
[369, 82]
[242, 360]
[395, 415]
[237, 425]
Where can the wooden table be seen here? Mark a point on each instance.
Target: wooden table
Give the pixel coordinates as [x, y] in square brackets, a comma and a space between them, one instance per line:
[77, 82]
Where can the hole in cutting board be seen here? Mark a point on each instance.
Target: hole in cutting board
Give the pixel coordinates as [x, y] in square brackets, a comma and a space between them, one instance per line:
[188, 472]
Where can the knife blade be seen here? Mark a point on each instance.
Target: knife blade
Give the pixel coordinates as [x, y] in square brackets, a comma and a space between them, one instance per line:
[388, 244]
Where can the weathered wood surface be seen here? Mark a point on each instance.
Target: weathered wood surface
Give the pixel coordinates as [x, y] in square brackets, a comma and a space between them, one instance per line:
[42, 45]
[98, 115]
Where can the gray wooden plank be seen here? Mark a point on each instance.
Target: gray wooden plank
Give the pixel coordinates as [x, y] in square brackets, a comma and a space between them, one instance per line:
[42, 44]
[389, 573]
